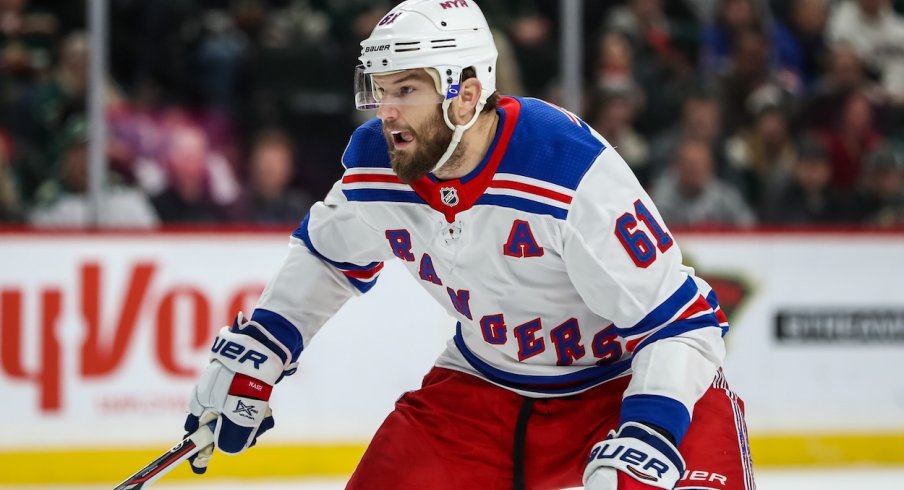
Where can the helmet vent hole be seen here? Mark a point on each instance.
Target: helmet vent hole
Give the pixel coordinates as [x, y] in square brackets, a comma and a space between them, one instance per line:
[402, 47]
[385, 62]
[442, 43]
[443, 23]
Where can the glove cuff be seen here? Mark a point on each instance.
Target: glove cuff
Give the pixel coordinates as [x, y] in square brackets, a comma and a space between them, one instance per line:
[257, 331]
[641, 453]
[244, 354]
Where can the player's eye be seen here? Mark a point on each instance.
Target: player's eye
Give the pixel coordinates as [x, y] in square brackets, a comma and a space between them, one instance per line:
[406, 90]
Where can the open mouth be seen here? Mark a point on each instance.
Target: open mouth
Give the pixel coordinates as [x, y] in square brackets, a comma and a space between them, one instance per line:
[401, 139]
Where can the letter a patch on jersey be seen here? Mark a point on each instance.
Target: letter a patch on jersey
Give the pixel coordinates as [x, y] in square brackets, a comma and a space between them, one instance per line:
[521, 242]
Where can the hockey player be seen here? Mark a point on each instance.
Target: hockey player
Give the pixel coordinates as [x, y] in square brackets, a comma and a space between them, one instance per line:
[584, 351]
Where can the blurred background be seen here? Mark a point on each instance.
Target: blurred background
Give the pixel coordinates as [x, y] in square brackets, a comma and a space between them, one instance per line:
[155, 157]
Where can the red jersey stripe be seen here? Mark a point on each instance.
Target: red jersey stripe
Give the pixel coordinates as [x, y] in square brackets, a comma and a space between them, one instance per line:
[366, 274]
[531, 189]
[698, 306]
[350, 179]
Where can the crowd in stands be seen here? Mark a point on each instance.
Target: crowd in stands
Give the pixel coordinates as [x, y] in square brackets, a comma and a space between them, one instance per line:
[733, 113]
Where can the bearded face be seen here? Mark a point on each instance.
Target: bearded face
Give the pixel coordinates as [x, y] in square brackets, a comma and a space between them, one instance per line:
[414, 152]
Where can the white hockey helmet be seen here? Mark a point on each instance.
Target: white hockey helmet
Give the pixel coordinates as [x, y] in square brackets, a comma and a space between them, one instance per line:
[446, 36]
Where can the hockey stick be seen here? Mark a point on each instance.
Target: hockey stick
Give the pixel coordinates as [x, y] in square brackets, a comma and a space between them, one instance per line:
[187, 448]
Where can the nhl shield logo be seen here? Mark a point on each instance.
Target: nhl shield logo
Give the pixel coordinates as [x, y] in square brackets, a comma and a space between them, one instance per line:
[449, 196]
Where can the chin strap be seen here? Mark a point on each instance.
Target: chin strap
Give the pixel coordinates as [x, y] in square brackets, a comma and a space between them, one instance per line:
[458, 131]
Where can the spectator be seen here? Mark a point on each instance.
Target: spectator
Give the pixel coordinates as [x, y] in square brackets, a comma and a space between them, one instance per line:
[293, 81]
[201, 187]
[662, 50]
[762, 154]
[690, 194]
[668, 80]
[612, 116]
[876, 32]
[534, 47]
[643, 22]
[64, 201]
[52, 106]
[269, 197]
[219, 56]
[849, 140]
[879, 200]
[700, 120]
[748, 77]
[720, 37]
[615, 70]
[808, 197]
[134, 139]
[844, 74]
[27, 39]
[800, 46]
[193, 59]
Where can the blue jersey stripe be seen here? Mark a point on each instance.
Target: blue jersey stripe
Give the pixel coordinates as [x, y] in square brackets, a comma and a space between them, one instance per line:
[656, 441]
[677, 328]
[384, 195]
[561, 384]
[667, 309]
[284, 331]
[661, 411]
[522, 204]
[362, 285]
[714, 303]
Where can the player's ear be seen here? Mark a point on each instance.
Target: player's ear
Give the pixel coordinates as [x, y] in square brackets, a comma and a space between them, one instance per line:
[465, 104]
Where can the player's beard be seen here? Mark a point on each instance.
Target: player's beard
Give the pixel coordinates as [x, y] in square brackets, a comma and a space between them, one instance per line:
[431, 140]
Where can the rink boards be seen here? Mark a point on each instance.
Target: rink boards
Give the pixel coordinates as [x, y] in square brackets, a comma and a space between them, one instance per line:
[102, 336]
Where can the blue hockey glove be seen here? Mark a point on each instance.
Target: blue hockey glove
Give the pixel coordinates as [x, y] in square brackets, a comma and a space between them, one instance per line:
[635, 458]
[234, 390]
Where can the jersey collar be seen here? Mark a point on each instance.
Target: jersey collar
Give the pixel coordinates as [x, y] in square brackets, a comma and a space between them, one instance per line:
[453, 196]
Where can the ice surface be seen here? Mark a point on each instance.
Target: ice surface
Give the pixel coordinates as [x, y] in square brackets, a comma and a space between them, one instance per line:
[871, 478]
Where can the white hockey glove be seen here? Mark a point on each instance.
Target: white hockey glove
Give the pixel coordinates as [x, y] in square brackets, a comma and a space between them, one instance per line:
[635, 458]
[234, 389]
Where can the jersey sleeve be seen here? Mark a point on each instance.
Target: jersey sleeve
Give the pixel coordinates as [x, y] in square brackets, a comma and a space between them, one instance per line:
[333, 255]
[627, 267]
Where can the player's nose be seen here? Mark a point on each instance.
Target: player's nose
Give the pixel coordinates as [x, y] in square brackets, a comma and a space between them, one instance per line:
[387, 112]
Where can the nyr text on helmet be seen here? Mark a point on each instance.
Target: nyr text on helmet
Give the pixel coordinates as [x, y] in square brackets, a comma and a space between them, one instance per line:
[454, 4]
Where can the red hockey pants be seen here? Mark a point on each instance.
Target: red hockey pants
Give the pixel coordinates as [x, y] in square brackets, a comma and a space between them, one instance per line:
[459, 432]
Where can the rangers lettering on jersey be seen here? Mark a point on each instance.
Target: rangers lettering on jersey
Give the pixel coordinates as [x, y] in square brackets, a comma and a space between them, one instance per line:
[587, 277]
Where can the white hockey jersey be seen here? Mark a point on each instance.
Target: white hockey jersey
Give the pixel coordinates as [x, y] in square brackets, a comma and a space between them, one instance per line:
[551, 256]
